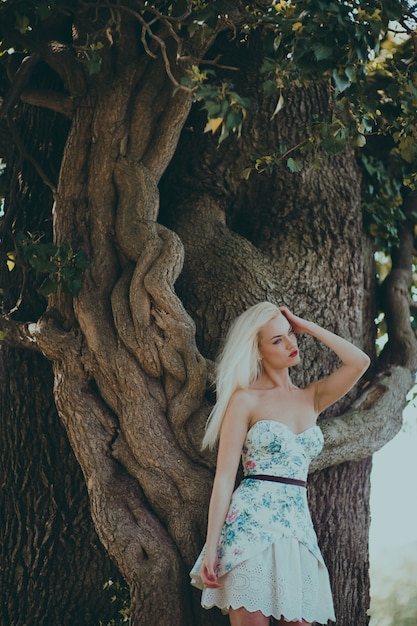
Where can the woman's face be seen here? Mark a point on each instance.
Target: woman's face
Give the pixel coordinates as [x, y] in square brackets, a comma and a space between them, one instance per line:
[278, 344]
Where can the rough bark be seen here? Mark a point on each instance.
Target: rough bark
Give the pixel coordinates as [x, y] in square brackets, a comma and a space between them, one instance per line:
[339, 502]
[133, 364]
[130, 382]
[53, 565]
[396, 299]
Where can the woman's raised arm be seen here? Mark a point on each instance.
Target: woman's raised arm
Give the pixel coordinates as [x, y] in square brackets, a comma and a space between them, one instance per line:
[354, 362]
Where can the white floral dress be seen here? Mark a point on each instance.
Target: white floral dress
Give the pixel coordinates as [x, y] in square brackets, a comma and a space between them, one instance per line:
[269, 559]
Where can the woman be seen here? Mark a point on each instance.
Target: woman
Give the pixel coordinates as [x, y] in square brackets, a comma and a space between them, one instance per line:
[261, 557]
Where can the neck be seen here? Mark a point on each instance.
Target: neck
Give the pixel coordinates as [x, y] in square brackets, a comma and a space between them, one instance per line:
[276, 378]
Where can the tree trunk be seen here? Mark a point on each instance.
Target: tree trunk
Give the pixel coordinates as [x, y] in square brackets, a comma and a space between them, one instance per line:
[339, 503]
[295, 239]
[53, 564]
[128, 362]
[131, 387]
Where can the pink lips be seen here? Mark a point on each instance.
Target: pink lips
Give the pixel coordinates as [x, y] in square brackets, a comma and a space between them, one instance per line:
[293, 354]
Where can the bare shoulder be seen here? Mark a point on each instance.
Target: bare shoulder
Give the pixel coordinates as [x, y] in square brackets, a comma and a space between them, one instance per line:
[242, 400]
[239, 409]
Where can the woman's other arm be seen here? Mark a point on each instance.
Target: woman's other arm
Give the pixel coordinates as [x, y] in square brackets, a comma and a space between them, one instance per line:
[232, 436]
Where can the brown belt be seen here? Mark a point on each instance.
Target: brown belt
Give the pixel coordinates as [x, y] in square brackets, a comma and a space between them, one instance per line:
[278, 479]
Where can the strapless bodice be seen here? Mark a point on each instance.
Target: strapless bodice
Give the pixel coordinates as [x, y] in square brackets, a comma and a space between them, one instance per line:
[271, 447]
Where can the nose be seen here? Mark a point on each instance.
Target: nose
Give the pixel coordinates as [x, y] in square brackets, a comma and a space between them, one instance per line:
[291, 342]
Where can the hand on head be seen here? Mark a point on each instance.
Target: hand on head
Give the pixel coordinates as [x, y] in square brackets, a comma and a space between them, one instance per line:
[299, 325]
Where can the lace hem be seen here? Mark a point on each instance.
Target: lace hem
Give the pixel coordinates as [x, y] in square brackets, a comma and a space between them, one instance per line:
[284, 581]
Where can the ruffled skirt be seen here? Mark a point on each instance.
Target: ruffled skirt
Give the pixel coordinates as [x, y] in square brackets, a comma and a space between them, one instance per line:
[285, 580]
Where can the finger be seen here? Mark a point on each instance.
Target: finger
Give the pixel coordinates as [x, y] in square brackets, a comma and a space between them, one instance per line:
[210, 581]
[207, 574]
[213, 585]
[210, 575]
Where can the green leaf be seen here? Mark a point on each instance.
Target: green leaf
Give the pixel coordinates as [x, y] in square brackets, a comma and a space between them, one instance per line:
[294, 165]
[44, 9]
[81, 261]
[94, 65]
[213, 108]
[392, 10]
[56, 265]
[359, 141]
[224, 134]
[233, 120]
[3, 334]
[321, 51]
[341, 81]
[22, 23]
[407, 149]
[270, 87]
[73, 287]
[333, 146]
[47, 287]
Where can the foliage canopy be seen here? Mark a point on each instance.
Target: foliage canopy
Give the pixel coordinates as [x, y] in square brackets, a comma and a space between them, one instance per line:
[365, 49]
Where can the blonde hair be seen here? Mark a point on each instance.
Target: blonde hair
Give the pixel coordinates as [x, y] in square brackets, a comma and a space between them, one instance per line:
[238, 364]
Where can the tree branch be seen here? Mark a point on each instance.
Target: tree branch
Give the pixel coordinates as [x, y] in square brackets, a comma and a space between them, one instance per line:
[163, 146]
[60, 57]
[44, 336]
[127, 527]
[374, 419]
[19, 82]
[401, 348]
[49, 99]
[26, 155]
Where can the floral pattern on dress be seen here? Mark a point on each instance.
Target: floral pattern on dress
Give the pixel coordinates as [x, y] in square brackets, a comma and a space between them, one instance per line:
[261, 512]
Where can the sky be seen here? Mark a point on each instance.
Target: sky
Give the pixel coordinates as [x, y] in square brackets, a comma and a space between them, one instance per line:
[393, 533]
[394, 489]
